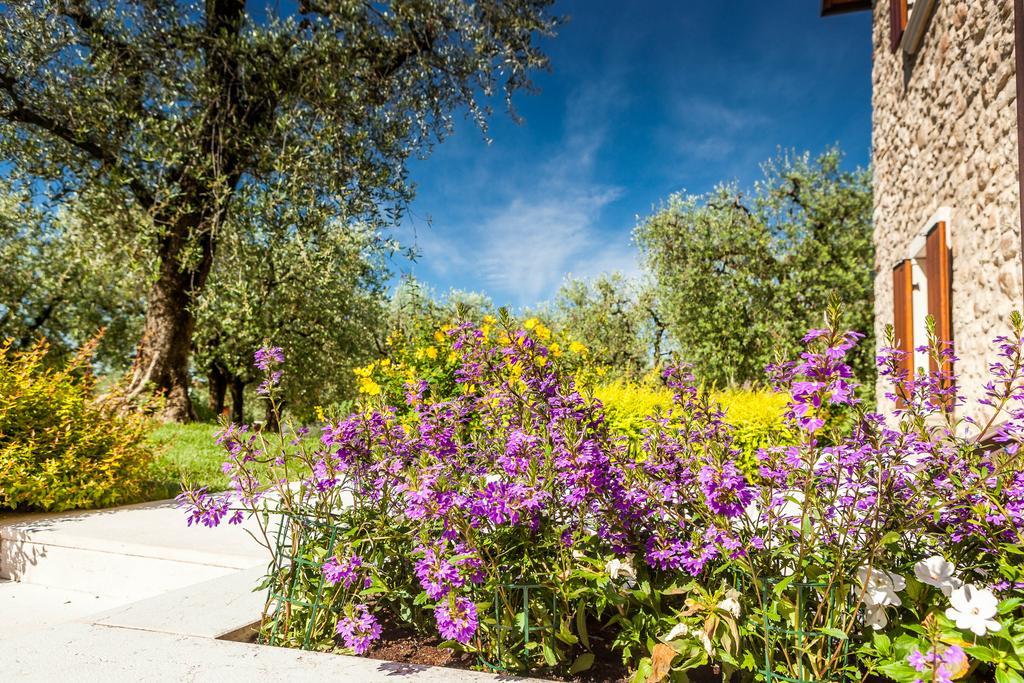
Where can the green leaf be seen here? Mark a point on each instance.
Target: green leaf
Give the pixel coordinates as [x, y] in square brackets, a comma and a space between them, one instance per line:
[781, 586]
[1008, 676]
[900, 671]
[833, 632]
[882, 643]
[549, 655]
[1010, 604]
[582, 663]
[581, 625]
[982, 653]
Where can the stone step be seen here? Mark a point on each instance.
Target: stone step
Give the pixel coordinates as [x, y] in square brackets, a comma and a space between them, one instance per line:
[26, 607]
[126, 553]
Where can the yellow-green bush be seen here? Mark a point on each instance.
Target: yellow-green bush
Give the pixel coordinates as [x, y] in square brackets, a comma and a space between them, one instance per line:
[628, 404]
[61, 447]
[756, 415]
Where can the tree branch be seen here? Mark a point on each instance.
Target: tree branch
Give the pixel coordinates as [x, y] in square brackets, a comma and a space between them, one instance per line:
[24, 114]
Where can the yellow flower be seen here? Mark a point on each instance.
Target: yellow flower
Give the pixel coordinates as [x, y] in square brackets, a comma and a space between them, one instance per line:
[439, 337]
[576, 347]
[369, 387]
[319, 410]
[531, 323]
[542, 360]
[431, 353]
[542, 332]
[555, 349]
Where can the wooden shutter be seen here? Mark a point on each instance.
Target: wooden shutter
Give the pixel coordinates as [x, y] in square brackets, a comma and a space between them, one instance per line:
[939, 272]
[903, 314]
[897, 22]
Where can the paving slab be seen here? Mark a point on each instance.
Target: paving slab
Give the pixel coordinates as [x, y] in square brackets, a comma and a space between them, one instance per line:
[130, 552]
[25, 607]
[155, 529]
[91, 652]
[211, 609]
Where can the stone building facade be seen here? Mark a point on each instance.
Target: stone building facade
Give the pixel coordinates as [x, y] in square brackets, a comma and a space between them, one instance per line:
[945, 160]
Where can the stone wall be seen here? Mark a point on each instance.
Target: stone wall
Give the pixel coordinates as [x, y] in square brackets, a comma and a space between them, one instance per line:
[945, 135]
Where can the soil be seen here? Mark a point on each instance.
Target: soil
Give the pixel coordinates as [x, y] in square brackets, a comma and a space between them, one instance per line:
[404, 646]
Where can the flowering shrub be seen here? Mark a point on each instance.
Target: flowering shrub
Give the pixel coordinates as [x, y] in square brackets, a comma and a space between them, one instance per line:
[505, 516]
[61, 447]
[425, 353]
[755, 416]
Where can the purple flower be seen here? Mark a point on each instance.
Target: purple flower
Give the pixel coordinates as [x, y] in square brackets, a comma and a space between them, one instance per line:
[344, 571]
[267, 356]
[456, 619]
[726, 490]
[359, 629]
[202, 508]
[943, 665]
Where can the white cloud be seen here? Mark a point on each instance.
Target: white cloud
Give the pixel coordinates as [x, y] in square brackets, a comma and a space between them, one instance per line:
[542, 223]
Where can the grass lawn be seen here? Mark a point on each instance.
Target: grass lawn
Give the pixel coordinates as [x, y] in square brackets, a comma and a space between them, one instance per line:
[185, 452]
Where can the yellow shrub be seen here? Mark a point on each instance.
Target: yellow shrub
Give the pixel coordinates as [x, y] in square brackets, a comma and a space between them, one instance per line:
[61, 448]
[756, 415]
[628, 404]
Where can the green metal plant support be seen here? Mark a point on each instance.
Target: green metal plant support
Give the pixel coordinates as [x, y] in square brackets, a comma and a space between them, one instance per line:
[522, 626]
[297, 584]
[795, 639]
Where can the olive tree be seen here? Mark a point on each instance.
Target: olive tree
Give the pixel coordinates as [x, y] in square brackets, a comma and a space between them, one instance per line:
[616, 317]
[741, 276]
[65, 277]
[317, 293]
[177, 112]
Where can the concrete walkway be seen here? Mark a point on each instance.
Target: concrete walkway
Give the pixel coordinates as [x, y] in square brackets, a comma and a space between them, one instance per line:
[132, 594]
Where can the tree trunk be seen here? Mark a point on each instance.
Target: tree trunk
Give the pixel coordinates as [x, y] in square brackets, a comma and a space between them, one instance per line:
[270, 421]
[162, 357]
[217, 379]
[237, 400]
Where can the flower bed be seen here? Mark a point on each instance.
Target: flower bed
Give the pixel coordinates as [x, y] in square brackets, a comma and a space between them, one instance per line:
[499, 513]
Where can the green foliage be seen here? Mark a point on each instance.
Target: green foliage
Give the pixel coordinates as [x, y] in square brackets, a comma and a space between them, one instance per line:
[616, 318]
[184, 453]
[317, 293]
[65, 277]
[61, 447]
[740, 277]
[183, 122]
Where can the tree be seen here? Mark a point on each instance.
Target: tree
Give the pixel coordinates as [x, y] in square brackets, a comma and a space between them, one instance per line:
[179, 112]
[64, 279]
[317, 293]
[616, 318]
[741, 277]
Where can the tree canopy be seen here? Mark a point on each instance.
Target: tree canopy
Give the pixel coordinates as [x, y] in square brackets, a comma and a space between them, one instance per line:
[741, 277]
[178, 114]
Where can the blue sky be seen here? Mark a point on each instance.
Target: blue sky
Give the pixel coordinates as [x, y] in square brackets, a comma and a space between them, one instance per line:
[645, 98]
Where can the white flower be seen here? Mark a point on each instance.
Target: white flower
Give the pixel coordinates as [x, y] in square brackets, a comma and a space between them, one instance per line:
[880, 587]
[731, 603]
[875, 617]
[678, 631]
[706, 641]
[974, 608]
[936, 571]
[624, 568]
